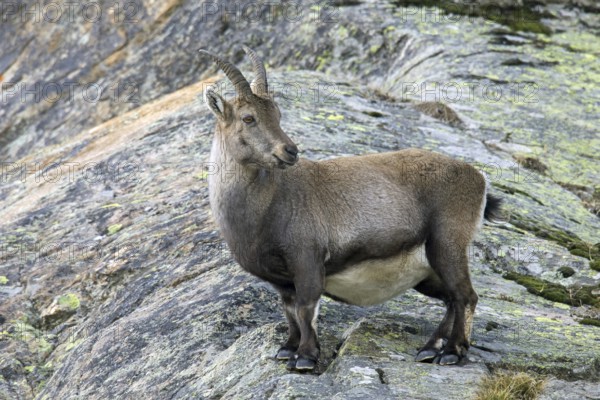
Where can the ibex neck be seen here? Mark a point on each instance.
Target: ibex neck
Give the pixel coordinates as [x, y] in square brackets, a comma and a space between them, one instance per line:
[239, 195]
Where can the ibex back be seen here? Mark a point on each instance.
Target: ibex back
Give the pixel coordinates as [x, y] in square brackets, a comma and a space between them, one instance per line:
[360, 229]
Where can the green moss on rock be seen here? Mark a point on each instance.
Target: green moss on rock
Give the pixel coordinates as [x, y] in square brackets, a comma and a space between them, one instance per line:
[575, 296]
[590, 321]
[517, 17]
[570, 241]
[566, 271]
[114, 229]
[69, 301]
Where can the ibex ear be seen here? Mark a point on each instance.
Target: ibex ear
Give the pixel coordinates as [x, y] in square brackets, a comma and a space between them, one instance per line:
[216, 103]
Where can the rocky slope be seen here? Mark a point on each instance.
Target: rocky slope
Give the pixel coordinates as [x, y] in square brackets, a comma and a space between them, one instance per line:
[115, 283]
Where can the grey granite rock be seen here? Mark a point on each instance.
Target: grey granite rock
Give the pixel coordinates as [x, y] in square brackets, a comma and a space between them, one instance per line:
[114, 282]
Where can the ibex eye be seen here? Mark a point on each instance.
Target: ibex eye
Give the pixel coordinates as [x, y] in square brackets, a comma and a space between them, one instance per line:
[248, 119]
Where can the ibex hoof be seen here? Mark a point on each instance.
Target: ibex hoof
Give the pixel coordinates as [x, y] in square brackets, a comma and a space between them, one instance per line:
[301, 364]
[426, 356]
[284, 354]
[304, 364]
[448, 359]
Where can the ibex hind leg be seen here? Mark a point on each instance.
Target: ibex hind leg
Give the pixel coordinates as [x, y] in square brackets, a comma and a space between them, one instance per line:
[434, 287]
[448, 258]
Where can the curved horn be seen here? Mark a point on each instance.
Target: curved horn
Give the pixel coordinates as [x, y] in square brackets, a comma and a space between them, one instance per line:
[241, 85]
[260, 79]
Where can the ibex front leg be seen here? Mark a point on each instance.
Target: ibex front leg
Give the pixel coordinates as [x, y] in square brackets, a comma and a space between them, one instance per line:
[309, 282]
[288, 297]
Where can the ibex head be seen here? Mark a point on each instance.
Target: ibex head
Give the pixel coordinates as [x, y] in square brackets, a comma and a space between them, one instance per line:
[249, 123]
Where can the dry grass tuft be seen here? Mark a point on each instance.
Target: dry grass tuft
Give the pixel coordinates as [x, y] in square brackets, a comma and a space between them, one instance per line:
[510, 386]
[440, 111]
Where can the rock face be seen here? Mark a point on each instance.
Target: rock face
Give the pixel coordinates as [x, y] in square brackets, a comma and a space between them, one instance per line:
[114, 282]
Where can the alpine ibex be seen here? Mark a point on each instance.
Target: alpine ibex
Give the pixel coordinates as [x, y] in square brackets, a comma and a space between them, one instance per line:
[359, 229]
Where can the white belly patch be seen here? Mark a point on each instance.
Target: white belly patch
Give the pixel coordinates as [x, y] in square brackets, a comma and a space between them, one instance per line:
[375, 281]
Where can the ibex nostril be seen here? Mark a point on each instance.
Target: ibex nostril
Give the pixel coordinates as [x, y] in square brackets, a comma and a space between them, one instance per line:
[292, 150]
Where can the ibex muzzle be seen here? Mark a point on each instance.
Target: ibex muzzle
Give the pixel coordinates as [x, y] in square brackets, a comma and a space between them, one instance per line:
[251, 121]
[358, 229]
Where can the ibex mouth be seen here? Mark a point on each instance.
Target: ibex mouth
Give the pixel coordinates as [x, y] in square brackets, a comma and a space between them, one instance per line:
[281, 163]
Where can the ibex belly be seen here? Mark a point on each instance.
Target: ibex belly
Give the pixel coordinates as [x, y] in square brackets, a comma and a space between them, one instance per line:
[375, 281]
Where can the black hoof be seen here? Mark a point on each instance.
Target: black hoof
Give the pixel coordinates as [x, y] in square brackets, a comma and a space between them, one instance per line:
[284, 354]
[449, 359]
[426, 356]
[300, 364]
[304, 364]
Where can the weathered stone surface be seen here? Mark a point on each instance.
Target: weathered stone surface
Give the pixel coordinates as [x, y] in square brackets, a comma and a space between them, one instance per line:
[121, 222]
